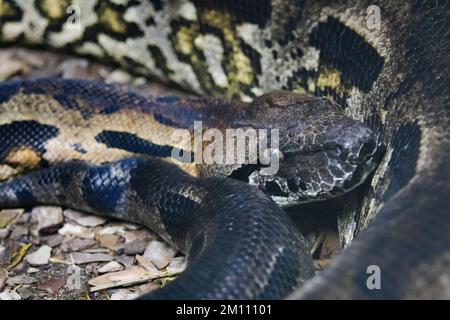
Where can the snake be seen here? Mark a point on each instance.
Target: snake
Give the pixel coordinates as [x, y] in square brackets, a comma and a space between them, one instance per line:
[354, 93]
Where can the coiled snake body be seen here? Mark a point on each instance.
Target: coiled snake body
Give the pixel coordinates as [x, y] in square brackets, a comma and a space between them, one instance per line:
[389, 70]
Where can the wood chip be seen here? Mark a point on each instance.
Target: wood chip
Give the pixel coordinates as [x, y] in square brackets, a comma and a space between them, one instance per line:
[124, 260]
[127, 277]
[77, 244]
[21, 279]
[111, 241]
[112, 266]
[84, 219]
[111, 230]
[53, 240]
[82, 257]
[97, 250]
[134, 235]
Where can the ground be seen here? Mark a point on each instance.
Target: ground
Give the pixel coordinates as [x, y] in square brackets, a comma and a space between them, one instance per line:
[57, 253]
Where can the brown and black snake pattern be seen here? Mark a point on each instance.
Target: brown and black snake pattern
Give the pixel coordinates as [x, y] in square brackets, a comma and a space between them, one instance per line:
[394, 77]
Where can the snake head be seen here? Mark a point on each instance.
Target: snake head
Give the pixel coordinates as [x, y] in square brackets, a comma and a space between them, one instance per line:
[323, 152]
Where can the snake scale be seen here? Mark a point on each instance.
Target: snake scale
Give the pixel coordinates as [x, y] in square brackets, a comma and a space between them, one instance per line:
[348, 84]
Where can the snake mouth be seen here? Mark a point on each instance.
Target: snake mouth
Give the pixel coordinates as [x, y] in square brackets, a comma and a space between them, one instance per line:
[300, 181]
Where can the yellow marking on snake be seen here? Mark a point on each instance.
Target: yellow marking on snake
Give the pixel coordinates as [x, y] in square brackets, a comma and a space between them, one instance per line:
[55, 9]
[76, 130]
[330, 78]
[113, 20]
[5, 9]
[239, 68]
[184, 40]
[24, 157]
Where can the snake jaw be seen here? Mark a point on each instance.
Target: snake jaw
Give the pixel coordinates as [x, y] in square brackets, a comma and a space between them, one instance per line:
[316, 174]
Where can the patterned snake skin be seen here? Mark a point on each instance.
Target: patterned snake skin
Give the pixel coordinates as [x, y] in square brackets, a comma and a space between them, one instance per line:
[390, 71]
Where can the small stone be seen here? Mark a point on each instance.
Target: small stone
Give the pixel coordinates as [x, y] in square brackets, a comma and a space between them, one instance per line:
[159, 253]
[24, 292]
[3, 278]
[177, 265]
[124, 294]
[53, 240]
[125, 260]
[24, 218]
[111, 230]
[97, 250]
[18, 232]
[11, 68]
[31, 58]
[110, 267]
[4, 233]
[331, 245]
[126, 276]
[77, 231]
[77, 244]
[84, 219]
[20, 268]
[111, 241]
[135, 247]
[8, 215]
[74, 68]
[142, 234]
[33, 270]
[49, 218]
[82, 258]
[40, 256]
[118, 76]
[53, 285]
[131, 226]
[22, 279]
[5, 255]
[9, 295]
[147, 288]
[146, 264]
